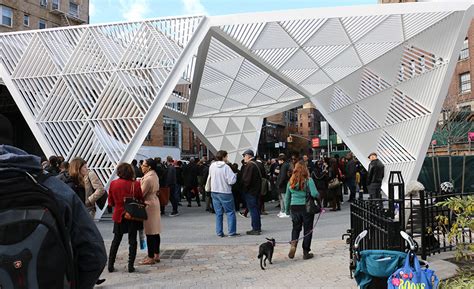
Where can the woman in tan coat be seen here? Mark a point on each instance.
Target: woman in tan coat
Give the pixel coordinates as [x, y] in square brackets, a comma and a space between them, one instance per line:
[152, 226]
[85, 183]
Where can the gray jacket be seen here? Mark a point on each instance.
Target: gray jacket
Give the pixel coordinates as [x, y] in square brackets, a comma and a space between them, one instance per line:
[87, 243]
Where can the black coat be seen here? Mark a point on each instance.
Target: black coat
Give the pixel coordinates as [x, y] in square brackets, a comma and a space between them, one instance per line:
[376, 172]
[251, 180]
[283, 176]
[190, 175]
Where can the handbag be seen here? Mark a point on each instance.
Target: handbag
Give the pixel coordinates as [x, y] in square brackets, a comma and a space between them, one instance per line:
[310, 206]
[164, 195]
[334, 183]
[264, 183]
[412, 277]
[134, 209]
[207, 187]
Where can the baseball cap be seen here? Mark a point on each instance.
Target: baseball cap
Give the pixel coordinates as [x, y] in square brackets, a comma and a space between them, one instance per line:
[248, 152]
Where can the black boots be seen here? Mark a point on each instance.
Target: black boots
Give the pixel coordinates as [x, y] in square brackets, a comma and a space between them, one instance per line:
[307, 255]
[132, 254]
[112, 255]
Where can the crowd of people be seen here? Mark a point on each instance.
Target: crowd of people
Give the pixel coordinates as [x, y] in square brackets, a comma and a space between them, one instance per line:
[225, 188]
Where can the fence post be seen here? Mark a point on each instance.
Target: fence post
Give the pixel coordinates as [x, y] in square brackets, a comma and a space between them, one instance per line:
[423, 225]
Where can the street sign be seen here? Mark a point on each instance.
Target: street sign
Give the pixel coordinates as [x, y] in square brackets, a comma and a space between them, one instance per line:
[470, 135]
[315, 142]
[324, 130]
[338, 139]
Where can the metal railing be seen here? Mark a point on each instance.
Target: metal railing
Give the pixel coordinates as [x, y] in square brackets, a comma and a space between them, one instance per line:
[424, 224]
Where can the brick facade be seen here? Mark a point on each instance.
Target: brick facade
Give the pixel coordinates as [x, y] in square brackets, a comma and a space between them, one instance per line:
[53, 17]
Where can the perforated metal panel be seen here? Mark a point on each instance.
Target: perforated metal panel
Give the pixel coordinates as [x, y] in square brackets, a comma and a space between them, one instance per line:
[378, 73]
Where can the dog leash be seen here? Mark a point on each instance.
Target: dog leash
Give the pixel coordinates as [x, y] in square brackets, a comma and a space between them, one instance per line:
[315, 224]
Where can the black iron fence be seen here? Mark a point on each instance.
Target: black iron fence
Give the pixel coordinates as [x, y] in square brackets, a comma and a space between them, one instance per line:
[416, 214]
[424, 224]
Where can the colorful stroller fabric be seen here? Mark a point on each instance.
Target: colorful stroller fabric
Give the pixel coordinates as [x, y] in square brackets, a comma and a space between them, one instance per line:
[377, 266]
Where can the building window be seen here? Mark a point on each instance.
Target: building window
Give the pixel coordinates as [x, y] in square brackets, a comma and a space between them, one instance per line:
[148, 136]
[309, 124]
[26, 20]
[170, 132]
[7, 16]
[42, 24]
[464, 54]
[55, 5]
[464, 82]
[43, 3]
[73, 9]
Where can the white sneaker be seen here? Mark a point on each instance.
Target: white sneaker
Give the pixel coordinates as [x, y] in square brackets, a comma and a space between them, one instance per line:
[284, 216]
[279, 214]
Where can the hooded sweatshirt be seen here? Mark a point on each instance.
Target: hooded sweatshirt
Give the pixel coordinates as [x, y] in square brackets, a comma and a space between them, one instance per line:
[222, 178]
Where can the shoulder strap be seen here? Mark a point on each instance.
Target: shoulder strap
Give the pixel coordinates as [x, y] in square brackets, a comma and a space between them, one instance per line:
[258, 169]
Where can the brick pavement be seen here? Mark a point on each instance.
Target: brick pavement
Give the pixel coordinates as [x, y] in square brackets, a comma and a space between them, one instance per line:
[236, 266]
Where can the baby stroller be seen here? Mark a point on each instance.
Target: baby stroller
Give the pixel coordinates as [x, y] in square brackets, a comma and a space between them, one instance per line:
[372, 268]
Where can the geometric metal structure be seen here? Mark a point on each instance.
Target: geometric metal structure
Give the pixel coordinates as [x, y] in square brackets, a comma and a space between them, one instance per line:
[379, 74]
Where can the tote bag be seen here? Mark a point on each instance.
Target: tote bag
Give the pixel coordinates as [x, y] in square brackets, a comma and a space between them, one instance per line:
[413, 277]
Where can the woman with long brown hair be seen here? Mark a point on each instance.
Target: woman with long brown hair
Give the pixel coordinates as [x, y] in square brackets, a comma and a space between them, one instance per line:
[85, 183]
[299, 184]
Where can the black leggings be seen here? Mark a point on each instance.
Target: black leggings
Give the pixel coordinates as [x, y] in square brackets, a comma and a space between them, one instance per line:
[153, 244]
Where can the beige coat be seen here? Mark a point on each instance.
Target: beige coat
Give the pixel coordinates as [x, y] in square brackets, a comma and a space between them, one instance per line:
[150, 186]
[94, 190]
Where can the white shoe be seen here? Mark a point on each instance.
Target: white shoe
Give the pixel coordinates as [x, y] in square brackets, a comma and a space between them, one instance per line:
[279, 214]
[284, 216]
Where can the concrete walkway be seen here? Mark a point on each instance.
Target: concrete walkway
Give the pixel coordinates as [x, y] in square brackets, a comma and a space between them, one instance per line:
[214, 262]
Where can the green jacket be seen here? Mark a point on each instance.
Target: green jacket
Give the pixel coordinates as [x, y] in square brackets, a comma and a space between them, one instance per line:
[297, 197]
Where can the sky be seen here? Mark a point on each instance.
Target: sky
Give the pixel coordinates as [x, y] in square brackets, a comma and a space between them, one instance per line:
[104, 11]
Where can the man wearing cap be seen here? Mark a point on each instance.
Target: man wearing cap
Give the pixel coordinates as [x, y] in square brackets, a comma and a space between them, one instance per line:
[281, 183]
[375, 177]
[251, 184]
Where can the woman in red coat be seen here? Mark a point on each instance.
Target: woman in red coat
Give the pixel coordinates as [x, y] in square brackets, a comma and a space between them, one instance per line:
[124, 187]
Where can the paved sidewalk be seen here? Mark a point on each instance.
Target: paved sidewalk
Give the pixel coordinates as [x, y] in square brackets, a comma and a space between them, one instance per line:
[237, 266]
[214, 262]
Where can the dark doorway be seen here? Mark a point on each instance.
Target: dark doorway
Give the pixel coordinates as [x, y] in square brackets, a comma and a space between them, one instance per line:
[23, 138]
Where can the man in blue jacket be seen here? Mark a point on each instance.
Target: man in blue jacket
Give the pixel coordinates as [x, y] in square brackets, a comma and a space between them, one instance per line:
[86, 241]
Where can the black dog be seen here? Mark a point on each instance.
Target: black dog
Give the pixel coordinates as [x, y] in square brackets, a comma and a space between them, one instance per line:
[266, 249]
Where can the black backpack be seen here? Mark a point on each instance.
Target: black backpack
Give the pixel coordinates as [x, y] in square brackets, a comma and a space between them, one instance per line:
[35, 248]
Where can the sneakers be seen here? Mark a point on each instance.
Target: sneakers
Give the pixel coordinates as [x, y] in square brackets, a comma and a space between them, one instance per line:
[174, 214]
[254, 232]
[283, 215]
[307, 255]
[222, 235]
[242, 215]
[264, 213]
[234, 235]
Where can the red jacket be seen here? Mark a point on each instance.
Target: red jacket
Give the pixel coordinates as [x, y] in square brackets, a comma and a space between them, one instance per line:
[118, 191]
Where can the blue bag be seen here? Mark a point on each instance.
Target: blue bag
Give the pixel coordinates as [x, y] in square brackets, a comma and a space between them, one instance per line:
[408, 277]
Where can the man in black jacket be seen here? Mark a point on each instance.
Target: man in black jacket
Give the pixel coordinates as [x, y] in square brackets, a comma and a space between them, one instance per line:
[350, 176]
[190, 182]
[281, 182]
[251, 184]
[375, 177]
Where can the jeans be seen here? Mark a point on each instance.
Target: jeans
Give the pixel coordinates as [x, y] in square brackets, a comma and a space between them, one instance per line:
[174, 198]
[281, 195]
[252, 205]
[352, 187]
[224, 203]
[300, 220]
